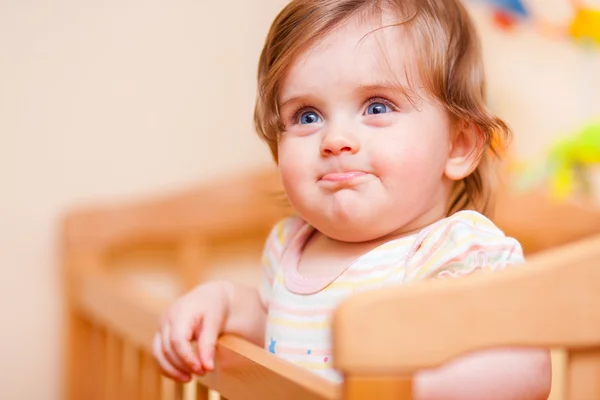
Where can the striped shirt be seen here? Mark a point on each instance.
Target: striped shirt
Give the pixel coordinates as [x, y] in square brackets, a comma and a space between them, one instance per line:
[299, 309]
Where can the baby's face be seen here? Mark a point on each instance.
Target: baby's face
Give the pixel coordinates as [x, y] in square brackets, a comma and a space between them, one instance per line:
[358, 160]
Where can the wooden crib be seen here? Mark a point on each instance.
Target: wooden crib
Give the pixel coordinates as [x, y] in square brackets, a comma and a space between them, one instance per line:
[123, 264]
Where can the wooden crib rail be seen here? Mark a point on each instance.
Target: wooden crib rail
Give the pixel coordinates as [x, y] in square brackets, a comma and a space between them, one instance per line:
[553, 301]
[540, 222]
[551, 307]
[225, 207]
[118, 313]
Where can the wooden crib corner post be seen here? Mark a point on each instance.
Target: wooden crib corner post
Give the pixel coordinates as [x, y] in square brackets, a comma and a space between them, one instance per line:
[79, 333]
[85, 344]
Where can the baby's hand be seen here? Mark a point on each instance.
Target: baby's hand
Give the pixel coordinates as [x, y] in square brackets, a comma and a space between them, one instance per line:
[199, 315]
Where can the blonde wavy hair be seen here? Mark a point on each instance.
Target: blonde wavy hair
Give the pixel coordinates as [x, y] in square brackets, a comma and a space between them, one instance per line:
[449, 63]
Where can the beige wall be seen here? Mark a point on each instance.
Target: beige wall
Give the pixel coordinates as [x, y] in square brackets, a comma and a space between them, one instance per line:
[115, 98]
[107, 99]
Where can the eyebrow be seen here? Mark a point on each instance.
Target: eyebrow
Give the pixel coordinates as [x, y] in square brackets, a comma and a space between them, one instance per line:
[407, 91]
[294, 99]
[374, 87]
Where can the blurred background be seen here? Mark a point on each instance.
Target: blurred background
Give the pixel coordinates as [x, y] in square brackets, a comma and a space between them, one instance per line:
[110, 100]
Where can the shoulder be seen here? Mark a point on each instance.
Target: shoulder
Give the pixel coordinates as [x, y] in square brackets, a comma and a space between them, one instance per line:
[460, 244]
[281, 234]
[465, 227]
[285, 229]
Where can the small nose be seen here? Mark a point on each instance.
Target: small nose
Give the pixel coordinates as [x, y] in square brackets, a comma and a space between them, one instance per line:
[334, 144]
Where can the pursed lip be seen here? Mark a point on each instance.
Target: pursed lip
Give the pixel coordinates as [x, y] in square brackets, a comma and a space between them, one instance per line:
[345, 176]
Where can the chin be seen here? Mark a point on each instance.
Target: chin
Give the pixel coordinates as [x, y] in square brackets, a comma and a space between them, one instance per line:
[351, 230]
[347, 218]
[349, 236]
[352, 235]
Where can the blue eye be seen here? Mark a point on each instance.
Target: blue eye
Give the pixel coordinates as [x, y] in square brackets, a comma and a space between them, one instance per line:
[378, 108]
[309, 117]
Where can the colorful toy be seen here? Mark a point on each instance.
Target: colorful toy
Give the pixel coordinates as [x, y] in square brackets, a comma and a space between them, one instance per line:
[570, 160]
[567, 166]
[584, 27]
[507, 13]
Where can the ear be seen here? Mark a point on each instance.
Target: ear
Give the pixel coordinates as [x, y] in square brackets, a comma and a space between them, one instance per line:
[465, 150]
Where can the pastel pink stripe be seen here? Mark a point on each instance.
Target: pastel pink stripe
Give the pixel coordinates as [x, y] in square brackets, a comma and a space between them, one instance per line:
[290, 310]
[445, 233]
[273, 248]
[472, 249]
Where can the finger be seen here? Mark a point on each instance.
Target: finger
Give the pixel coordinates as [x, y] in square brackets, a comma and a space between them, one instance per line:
[170, 353]
[166, 367]
[211, 327]
[182, 335]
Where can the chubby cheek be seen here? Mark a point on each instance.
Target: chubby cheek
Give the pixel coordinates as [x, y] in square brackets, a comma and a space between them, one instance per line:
[294, 167]
[411, 165]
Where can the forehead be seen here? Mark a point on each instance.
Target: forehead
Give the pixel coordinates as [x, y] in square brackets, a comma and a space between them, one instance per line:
[362, 51]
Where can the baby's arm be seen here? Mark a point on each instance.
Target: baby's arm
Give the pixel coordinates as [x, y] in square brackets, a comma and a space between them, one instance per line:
[248, 314]
[503, 374]
[202, 315]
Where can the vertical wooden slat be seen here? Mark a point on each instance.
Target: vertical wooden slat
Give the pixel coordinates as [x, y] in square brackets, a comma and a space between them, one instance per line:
[80, 380]
[149, 378]
[559, 375]
[130, 371]
[86, 378]
[171, 390]
[112, 367]
[75, 346]
[167, 389]
[201, 392]
[583, 374]
[178, 391]
[189, 390]
[96, 369]
[360, 387]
